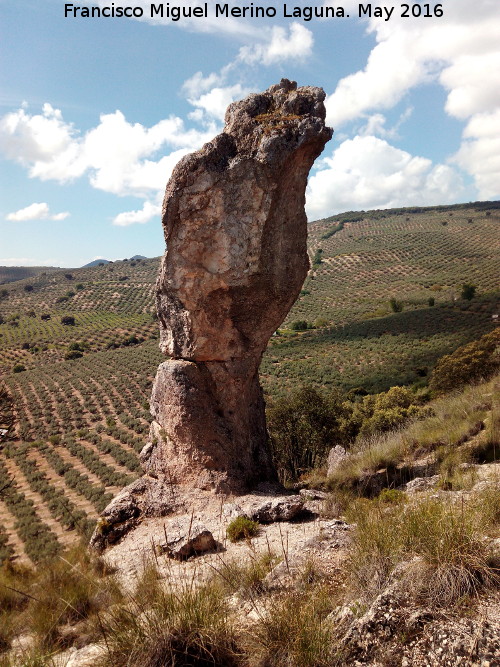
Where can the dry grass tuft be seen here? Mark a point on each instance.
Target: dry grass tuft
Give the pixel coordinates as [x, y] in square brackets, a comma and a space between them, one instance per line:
[443, 540]
[188, 626]
[294, 630]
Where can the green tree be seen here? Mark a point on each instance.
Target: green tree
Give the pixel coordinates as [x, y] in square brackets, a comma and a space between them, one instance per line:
[299, 325]
[469, 363]
[468, 291]
[396, 306]
[303, 426]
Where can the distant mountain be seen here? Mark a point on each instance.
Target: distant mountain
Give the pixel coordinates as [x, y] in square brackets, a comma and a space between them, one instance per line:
[98, 262]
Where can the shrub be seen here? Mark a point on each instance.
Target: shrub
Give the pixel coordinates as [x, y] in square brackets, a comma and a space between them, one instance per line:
[468, 291]
[470, 363]
[431, 301]
[448, 557]
[302, 428]
[68, 320]
[73, 354]
[246, 577]
[393, 496]
[387, 411]
[299, 325]
[68, 590]
[241, 528]
[19, 368]
[317, 259]
[396, 306]
[28, 288]
[294, 631]
[170, 628]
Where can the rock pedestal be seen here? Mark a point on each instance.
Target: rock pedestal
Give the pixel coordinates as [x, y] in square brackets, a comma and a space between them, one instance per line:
[235, 230]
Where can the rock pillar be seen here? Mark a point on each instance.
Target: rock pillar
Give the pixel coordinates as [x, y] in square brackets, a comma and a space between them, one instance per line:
[235, 231]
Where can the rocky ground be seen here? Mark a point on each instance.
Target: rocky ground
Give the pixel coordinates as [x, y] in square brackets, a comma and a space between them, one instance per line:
[310, 543]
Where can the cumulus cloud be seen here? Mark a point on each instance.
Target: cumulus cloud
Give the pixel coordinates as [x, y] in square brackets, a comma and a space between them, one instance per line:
[280, 45]
[29, 139]
[214, 103]
[367, 172]
[36, 211]
[142, 216]
[376, 125]
[211, 94]
[462, 53]
[479, 153]
[116, 155]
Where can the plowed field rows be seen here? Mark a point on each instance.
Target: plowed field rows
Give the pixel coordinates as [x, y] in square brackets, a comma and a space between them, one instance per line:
[79, 423]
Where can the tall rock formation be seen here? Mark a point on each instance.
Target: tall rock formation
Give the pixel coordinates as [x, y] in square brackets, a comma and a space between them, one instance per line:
[235, 230]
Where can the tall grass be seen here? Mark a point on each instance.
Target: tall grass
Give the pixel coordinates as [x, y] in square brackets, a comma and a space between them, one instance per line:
[442, 541]
[181, 626]
[454, 417]
[55, 603]
[295, 630]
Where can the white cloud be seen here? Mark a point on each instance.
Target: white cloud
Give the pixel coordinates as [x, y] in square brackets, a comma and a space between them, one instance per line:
[367, 172]
[462, 53]
[376, 125]
[279, 46]
[28, 139]
[115, 155]
[199, 84]
[214, 103]
[147, 212]
[36, 211]
[479, 153]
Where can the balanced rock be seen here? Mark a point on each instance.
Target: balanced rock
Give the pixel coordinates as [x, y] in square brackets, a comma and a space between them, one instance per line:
[236, 258]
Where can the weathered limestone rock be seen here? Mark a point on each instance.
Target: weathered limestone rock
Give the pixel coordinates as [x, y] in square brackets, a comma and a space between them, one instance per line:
[282, 508]
[146, 496]
[336, 455]
[186, 538]
[235, 229]
[236, 258]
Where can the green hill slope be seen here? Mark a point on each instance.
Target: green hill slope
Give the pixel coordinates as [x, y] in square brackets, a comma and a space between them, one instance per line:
[80, 406]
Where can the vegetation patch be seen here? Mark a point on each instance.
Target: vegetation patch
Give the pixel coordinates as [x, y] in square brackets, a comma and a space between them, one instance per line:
[241, 528]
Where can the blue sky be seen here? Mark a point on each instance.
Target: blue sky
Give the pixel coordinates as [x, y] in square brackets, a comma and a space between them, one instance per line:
[95, 112]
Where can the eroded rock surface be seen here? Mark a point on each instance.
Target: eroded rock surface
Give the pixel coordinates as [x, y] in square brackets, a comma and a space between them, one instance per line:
[236, 258]
[235, 229]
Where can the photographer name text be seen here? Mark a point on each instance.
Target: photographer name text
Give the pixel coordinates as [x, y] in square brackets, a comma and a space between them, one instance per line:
[252, 11]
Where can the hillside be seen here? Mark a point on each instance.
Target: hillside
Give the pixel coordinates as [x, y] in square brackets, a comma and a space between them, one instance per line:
[10, 274]
[78, 413]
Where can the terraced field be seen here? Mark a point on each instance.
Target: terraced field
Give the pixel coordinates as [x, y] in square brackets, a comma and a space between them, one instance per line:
[74, 397]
